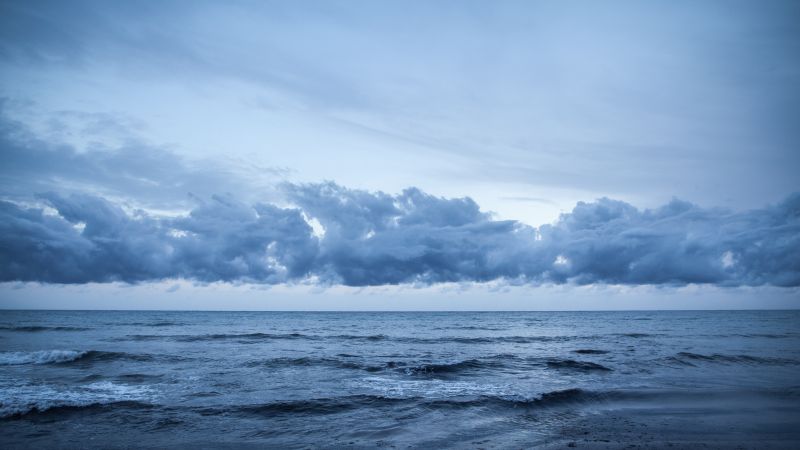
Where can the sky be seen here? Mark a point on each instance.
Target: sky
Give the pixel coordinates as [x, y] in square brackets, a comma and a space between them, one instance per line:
[399, 155]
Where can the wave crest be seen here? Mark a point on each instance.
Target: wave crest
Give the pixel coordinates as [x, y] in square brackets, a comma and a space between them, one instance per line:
[40, 357]
[571, 364]
[690, 359]
[18, 401]
[324, 406]
[65, 357]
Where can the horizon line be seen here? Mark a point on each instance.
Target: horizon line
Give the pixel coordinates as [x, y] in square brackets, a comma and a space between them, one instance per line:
[397, 310]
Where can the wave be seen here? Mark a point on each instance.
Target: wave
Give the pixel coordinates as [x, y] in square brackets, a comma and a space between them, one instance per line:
[546, 400]
[303, 362]
[690, 359]
[571, 364]
[259, 337]
[451, 368]
[493, 340]
[240, 336]
[554, 401]
[321, 406]
[334, 405]
[771, 335]
[752, 335]
[19, 401]
[138, 378]
[36, 329]
[357, 337]
[403, 367]
[431, 369]
[589, 351]
[470, 327]
[151, 324]
[21, 411]
[41, 357]
[243, 337]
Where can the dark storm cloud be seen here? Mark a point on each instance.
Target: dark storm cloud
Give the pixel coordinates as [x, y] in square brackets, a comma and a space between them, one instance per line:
[93, 240]
[413, 237]
[613, 242]
[380, 239]
[81, 227]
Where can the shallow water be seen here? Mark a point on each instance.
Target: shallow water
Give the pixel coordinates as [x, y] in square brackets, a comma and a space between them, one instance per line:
[506, 379]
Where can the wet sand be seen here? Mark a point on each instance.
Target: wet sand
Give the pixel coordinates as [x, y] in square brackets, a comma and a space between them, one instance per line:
[682, 428]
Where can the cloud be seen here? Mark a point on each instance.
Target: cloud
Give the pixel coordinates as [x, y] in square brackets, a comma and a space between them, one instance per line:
[95, 219]
[93, 240]
[376, 238]
[644, 100]
[136, 170]
[612, 242]
[381, 239]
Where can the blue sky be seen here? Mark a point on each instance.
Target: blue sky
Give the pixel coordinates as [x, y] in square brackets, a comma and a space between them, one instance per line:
[509, 151]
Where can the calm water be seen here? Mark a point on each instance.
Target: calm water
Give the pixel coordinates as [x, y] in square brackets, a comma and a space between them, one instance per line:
[209, 379]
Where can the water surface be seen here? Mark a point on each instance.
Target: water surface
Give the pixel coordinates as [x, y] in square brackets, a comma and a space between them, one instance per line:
[506, 379]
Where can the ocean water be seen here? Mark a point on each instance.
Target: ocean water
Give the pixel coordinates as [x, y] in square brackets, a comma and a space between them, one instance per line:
[105, 379]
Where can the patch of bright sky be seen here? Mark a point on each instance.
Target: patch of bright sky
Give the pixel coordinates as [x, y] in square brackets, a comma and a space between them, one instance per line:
[500, 101]
[182, 294]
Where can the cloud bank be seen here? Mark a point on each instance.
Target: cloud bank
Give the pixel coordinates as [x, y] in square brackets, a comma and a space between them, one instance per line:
[80, 216]
[369, 238]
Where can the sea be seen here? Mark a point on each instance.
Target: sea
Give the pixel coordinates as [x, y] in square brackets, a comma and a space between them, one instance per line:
[161, 379]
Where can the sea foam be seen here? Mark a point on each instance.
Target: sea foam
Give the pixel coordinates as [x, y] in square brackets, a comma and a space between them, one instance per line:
[40, 357]
[16, 400]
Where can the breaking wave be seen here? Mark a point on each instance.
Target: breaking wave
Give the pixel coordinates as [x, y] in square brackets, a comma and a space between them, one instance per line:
[334, 405]
[40, 357]
[432, 369]
[19, 401]
[66, 357]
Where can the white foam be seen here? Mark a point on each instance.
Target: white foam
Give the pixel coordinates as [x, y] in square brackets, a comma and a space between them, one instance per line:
[21, 399]
[39, 357]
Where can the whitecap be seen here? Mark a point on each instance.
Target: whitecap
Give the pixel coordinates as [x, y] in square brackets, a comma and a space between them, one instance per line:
[39, 357]
[22, 399]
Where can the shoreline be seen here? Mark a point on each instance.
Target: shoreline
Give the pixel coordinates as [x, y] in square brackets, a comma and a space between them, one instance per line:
[681, 428]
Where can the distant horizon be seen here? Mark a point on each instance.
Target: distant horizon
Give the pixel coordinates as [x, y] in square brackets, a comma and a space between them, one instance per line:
[403, 311]
[188, 296]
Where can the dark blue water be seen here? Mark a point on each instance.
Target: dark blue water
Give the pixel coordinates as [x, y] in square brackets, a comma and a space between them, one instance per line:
[211, 379]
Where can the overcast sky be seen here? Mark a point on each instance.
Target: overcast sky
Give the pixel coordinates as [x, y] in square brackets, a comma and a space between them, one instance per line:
[315, 147]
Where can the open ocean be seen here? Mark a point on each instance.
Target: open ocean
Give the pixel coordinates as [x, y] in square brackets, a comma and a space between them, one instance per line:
[108, 379]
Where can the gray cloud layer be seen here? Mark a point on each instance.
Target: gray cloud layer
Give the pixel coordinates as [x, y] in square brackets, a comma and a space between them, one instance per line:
[151, 175]
[82, 228]
[413, 237]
